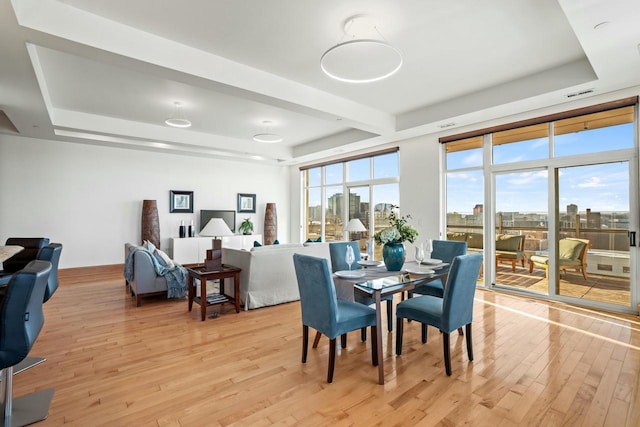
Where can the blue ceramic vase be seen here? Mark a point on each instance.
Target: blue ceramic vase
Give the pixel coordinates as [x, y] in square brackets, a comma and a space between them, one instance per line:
[393, 256]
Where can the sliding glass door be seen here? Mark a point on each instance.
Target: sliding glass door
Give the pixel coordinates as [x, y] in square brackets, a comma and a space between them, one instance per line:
[593, 257]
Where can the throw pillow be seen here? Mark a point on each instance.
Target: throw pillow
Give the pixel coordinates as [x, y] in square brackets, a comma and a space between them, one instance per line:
[164, 259]
[149, 246]
[319, 239]
[276, 242]
[256, 244]
[309, 241]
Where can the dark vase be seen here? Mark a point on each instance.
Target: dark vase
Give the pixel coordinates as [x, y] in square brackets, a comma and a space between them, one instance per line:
[150, 226]
[393, 256]
[270, 224]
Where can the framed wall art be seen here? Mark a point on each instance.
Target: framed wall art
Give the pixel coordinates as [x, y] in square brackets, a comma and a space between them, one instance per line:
[246, 203]
[180, 201]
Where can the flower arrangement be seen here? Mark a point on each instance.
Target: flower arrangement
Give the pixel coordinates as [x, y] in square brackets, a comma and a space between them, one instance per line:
[399, 230]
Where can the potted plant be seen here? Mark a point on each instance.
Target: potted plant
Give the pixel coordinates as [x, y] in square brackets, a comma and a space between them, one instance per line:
[393, 238]
[246, 226]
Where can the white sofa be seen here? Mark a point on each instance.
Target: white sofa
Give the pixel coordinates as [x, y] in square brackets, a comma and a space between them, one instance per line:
[268, 276]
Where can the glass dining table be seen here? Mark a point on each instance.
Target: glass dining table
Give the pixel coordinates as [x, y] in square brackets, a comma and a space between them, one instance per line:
[377, 282]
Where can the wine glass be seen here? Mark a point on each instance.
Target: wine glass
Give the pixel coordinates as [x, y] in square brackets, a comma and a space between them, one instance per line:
[419, 254]
[349, 257]
[428, 248]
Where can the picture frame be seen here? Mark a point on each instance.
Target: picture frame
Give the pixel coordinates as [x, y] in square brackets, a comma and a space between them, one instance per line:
[180, 201]
[246, 203]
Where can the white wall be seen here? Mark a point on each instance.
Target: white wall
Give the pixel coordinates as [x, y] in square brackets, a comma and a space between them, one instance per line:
[89, 198]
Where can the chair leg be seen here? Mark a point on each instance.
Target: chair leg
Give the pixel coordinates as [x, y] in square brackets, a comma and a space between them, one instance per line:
[447, 353]
[530, 266]
[316, 340]
[343, 340]
[374, 345]
[390, 315]
[584, 272]
[423, 328]
[460, 332]
[363, 334]
[469, 343]
[332, 359]
[399, 322]
[305, 342]
[513, 265]
[7, 391]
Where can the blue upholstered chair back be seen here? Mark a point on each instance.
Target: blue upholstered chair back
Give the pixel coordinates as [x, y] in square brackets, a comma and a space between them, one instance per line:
[51, 253]
[21, 315]
[447, 250]
[317, 294]
[338, 250]
[457, 304]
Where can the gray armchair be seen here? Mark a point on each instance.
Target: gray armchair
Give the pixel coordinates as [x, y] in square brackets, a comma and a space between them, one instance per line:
[144, 280]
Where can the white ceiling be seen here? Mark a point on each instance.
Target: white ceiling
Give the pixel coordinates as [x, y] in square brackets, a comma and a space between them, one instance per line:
[108, 71]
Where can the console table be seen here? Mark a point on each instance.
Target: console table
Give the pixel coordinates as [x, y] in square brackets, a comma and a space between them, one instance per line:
[193, 250]
[200, 273]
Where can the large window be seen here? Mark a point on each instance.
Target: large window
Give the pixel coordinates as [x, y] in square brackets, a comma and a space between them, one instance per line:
[562, 189]
[371, 184]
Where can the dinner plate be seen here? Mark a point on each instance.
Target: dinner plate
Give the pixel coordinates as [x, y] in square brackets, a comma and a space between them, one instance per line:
[369, 263]
[419, 271]
[431, 261]
[346, 274]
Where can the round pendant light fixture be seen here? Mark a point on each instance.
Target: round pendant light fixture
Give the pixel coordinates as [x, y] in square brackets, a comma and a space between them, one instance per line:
[177, 119]
[363, 57]
[267, 137]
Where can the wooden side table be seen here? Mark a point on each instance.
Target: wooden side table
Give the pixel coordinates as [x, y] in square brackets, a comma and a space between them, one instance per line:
[200, 273]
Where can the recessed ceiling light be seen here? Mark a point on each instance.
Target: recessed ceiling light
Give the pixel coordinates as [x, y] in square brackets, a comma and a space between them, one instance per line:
[177, 119]
[267, 137]
[601, 25]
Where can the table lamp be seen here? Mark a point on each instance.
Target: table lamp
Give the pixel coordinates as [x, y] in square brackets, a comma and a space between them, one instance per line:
[355, 226]
[216, 227]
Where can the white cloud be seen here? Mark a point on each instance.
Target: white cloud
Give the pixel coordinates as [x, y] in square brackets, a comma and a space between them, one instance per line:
[593, 182]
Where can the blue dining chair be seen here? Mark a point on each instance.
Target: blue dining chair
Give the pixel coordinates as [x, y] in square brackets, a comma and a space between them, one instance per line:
[51, 253]
[452, 311]
[322, 311]
[337, 251]
[446, 250]
[21, 319]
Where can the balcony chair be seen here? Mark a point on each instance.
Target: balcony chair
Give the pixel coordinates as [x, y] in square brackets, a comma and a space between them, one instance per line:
[452, 311]
[31, 245]
[21, 319]
[322, 310]
[572, 253]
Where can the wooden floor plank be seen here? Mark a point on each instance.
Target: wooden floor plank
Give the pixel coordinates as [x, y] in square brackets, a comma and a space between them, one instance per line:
[536, 363]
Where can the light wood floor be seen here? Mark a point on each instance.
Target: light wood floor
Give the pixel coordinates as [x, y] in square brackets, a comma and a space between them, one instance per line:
[536, 363]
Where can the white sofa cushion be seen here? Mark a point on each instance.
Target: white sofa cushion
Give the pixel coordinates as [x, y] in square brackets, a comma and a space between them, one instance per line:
[268, 276]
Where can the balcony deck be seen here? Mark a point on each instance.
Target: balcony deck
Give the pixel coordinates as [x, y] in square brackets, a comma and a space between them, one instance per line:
[602, 288]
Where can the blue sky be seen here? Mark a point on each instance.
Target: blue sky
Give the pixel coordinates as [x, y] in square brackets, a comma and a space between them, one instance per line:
[601, 187]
